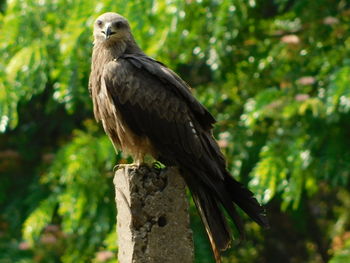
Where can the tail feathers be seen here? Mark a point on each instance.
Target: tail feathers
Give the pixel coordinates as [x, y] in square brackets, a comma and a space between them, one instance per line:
[210, 198]
[226, 201]
[246, 201]
[213, 220]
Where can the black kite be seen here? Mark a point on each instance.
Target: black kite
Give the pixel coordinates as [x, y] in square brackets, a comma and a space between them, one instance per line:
[146, 108]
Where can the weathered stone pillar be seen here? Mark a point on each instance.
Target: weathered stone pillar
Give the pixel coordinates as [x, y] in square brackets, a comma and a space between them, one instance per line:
[153, 220]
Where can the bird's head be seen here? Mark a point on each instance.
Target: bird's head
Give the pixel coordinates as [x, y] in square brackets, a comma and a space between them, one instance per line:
[111, 27]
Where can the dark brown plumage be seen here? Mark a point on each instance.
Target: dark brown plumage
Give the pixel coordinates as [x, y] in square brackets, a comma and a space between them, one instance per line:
[145, 108]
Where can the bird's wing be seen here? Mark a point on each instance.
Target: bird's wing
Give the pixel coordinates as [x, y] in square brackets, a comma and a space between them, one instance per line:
[156, 104]
[173, 82]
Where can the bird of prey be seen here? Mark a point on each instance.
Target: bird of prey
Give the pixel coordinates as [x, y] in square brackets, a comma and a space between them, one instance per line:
[147, 109]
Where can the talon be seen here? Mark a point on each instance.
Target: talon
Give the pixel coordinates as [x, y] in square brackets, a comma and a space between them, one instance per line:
[124, 165]
[116, 167]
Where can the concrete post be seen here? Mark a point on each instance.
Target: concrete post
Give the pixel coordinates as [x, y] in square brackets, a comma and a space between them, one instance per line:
[153, 219]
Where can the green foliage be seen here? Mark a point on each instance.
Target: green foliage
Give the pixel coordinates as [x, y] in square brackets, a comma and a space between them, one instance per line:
[343, 255]
[38, 220]
[274, 73]
[79, 180]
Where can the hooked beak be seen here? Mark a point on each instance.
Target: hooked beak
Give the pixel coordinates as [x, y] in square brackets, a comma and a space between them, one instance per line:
[108, 31]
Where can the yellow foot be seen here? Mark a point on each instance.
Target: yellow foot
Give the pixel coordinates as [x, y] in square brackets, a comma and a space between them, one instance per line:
[127, 165]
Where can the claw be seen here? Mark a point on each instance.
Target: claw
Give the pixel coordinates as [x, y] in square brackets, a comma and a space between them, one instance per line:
[116, 167]
[125, 165]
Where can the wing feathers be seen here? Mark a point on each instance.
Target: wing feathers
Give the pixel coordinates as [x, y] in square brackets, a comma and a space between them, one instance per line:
[172, 82]
[152, 110]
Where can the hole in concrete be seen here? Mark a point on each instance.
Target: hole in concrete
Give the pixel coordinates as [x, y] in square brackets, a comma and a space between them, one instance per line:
[162, 221]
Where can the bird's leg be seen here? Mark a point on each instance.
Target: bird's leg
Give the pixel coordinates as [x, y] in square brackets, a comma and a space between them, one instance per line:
[139, 161]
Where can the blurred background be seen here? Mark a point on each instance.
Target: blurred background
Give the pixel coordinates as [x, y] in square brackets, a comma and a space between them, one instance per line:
[275, 73]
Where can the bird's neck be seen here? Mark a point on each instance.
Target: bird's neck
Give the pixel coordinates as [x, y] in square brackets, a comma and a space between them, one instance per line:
[103, 52]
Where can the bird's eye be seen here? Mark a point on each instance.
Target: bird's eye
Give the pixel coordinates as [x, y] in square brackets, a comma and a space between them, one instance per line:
[118, 24]
[99, 22]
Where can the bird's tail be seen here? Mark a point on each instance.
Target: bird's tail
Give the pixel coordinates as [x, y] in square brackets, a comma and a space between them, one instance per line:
[245, 199]
[227, 194]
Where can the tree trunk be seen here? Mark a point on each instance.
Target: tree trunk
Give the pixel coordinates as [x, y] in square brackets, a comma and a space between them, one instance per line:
[153, 219]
